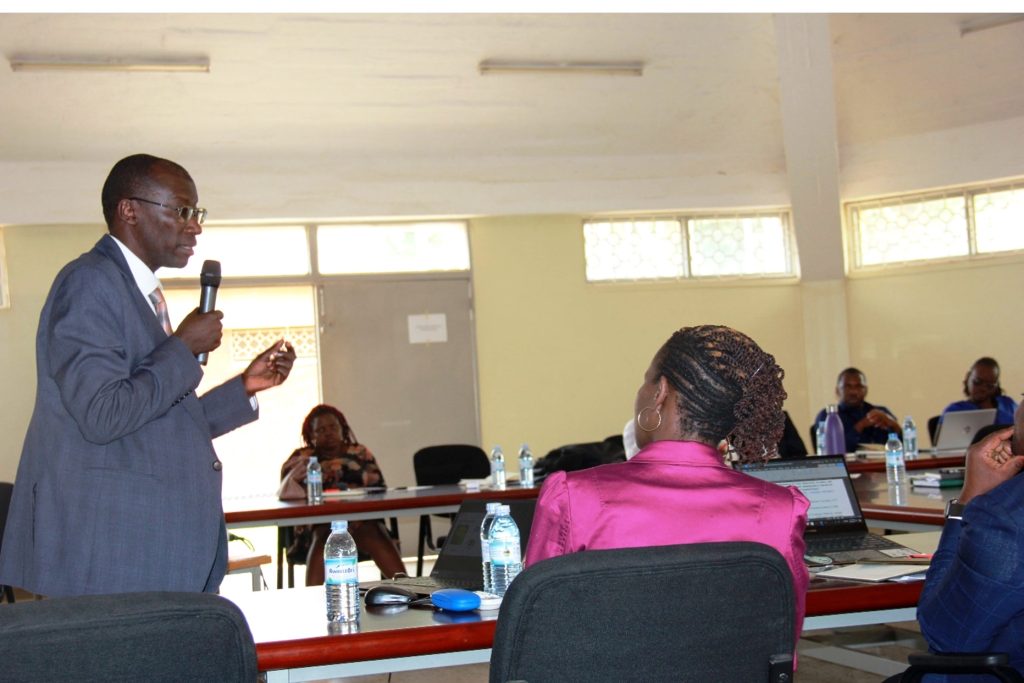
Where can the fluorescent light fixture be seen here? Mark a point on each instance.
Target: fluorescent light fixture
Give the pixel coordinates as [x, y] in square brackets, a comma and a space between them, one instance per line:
[90, 63]
[988, 21]
[493, 66]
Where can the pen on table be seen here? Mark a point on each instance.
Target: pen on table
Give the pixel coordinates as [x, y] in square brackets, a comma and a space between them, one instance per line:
[920, 556]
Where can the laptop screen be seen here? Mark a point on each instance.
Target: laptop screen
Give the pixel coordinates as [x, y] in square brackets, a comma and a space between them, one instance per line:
[825, 482]
[460, 555]
[957, 429]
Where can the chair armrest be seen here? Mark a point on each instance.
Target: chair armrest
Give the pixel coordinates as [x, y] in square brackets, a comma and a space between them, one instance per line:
[993, 663]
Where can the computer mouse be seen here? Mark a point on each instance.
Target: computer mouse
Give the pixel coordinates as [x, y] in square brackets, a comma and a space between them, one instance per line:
[390, 594]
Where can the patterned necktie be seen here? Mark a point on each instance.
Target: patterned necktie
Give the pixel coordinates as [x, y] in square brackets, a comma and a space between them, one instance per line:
[160, 304]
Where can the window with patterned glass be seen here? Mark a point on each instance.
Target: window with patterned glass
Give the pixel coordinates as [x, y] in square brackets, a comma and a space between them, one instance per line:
[681, 246]
[392, 248]
[952, 224]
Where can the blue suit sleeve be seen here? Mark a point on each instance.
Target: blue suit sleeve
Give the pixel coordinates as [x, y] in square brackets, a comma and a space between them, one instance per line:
[975, 585]
[107, 391]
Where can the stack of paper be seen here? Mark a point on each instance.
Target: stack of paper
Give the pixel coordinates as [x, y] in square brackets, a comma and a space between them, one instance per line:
[876, 572]
[944, 478]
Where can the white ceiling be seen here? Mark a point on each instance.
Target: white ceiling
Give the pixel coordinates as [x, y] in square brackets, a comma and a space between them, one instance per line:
[398, 97]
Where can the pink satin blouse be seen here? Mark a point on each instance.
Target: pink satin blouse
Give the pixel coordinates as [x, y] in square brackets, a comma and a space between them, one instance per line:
[670, 492]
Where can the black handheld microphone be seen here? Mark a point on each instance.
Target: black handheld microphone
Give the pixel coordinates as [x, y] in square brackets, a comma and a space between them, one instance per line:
[210, 281]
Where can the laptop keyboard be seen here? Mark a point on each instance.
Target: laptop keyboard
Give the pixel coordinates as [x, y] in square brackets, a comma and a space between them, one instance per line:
[823, 545]
[430, 582]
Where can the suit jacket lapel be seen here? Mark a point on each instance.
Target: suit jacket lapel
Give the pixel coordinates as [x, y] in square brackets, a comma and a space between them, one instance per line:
[109, 249]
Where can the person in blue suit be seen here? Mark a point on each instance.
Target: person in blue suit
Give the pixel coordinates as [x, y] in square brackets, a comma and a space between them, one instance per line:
[973, 596]
[862, 421]
[119, 488]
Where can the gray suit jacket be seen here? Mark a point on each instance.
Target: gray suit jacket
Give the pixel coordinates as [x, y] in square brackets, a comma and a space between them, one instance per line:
[118, 488]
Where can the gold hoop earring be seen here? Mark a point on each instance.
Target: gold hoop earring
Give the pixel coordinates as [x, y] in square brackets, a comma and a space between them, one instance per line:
[640, 418]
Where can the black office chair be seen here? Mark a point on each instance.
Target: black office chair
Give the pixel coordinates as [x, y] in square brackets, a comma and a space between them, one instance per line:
[694, 612]
[127, 637]
[933, 428]
[440, 465]
[985, 431]
[6, 491]
[995, 664]
[285, 537]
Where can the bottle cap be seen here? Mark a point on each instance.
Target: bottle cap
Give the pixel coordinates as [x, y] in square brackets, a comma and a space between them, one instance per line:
[312, 458]
[493, 508]
[339, 525]
[892, 435]
[504, 510]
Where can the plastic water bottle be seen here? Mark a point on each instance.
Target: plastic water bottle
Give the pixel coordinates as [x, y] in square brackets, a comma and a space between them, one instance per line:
[497, 468]
[341, 574]
[525, 466]
[314, 482]
[503, 547]
[835, 435]
[895, 467]
[909, 438]
[819, 438]
[485, 550]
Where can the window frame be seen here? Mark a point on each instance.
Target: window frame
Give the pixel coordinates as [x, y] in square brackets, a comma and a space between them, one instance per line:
[968, 192]
[784, 213]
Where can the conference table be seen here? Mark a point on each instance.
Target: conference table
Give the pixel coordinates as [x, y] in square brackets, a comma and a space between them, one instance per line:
[903, 508]
[871, 461]
[267, 510]
[295, 643]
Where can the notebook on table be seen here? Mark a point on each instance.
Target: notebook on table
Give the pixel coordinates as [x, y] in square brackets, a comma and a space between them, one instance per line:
[459, 562]
[835, 524]
[956, 430]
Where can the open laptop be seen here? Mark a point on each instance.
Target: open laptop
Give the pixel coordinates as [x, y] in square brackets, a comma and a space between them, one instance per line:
[956, 430]
[835, 523]
[459, 562]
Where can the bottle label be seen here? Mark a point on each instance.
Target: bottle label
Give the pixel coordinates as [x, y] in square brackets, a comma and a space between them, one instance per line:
[504, 551]
[314, 477]
[341, 570]
[485, 552]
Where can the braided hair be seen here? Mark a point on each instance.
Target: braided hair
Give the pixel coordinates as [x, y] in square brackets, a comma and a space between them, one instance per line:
[728, 388]
[348, 437]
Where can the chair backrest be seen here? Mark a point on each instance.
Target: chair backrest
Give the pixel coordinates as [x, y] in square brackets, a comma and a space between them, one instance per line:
[437, 465]
[129, 636]
[933, 426]
[981, 433]
[694, 612]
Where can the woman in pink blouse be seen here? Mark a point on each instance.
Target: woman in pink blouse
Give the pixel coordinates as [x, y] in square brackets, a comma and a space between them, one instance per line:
[707, 387]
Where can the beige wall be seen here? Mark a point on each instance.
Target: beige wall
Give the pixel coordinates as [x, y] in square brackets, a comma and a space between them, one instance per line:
[34, 256]
[560, 360]
[916, 334]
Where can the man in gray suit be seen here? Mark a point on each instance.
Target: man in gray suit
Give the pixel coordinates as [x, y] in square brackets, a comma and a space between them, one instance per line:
[118, 488]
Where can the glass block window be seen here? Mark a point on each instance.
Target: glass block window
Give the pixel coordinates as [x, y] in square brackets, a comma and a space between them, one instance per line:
[673, 247]
[392, 248]
[250, 251]
[954, 224]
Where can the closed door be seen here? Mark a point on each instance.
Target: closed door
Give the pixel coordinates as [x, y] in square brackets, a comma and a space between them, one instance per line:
[398, 358]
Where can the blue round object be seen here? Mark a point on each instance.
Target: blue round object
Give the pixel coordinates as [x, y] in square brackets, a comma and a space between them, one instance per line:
[455, 599]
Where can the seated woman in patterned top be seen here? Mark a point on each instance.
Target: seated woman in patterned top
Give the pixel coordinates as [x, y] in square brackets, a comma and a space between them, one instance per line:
[346, 464]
